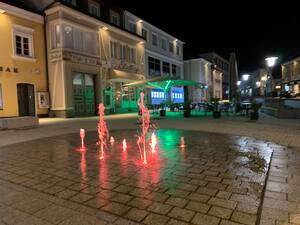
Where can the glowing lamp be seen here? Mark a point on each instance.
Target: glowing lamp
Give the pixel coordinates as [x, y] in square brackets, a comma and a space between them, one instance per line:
[246, 77]
[271, 61]
[105, 28]
[238, 83]
[258, 83]
[2, 11]
[140, 21]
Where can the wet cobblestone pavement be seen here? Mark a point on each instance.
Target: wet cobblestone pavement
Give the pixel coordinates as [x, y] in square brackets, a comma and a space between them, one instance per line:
[215, 180]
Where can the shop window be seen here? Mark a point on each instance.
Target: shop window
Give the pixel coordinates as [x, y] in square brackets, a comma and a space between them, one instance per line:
[166, 68]
[1, 99]
[153, 66]
[174, 70]
[23, 41]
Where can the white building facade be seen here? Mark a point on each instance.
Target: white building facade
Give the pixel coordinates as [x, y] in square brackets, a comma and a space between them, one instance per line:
[163, 55]
[208, 77]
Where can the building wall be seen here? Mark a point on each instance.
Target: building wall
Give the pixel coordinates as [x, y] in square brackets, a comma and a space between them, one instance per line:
[31, 71]
[198, 70]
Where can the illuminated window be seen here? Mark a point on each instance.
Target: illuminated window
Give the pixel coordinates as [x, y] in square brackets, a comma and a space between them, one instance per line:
[23, 41]
[1, 99]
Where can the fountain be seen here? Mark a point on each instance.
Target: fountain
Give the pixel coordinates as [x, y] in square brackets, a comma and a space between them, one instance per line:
[153, 142]
[124, 145]
[145, 123]
[82, 135]
[103, 133]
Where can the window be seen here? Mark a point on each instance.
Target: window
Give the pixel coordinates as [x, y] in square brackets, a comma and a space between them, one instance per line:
[132, 27]
[122, 52]
[132, 55]
[154, 39]
[153, 66]
[145, 34]
[171, 47]
[177, 50]
[94, 8]
[55, 36]
[74, 38]
[70, 2]
[113, 49]
[166, 68]
[164, 44]
[174, 67]
[115, 20]
[1, 99]
[23, 41]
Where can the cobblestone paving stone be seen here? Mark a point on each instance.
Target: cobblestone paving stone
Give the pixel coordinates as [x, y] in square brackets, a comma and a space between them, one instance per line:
[215, 180]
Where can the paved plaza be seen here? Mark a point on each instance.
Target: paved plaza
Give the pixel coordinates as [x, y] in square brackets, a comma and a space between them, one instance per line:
[217, 178]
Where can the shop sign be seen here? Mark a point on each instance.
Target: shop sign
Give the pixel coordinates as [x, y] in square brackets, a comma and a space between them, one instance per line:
[8, 69]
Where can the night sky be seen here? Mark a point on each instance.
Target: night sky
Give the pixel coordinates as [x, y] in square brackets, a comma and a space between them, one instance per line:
[252, 30]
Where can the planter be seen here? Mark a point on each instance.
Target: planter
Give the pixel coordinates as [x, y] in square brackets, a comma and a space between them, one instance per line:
[254, 115]
[187, 113]
[162, 112]
[216, 114]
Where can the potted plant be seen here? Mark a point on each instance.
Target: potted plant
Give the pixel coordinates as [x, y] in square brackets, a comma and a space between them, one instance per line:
[162, 112]
[254, 110]
[187, 109]
[216, 108]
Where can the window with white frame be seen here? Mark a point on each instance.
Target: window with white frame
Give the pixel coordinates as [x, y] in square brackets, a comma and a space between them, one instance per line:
[145, 34]
[1, 99]
[177, 50]
[154, 39]
[70, 2]
[23, 41]
[153, 66]
[171, 47]
[166, 68]
[132, 27]
[94, 8]
[132, 54]
[164, 44]
[122, 51]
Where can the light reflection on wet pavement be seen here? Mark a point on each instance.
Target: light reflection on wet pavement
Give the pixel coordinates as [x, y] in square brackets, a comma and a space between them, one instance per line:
[215, 177]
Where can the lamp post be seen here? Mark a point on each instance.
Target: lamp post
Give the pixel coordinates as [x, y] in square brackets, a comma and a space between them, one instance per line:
[271, 61]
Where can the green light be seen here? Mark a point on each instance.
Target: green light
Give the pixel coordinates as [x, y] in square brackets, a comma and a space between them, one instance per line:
[168, 84]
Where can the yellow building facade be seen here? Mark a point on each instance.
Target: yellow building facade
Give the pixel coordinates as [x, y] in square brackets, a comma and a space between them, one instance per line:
[23, 78]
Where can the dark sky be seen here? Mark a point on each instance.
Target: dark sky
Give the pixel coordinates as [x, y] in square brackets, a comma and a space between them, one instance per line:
[252, 30]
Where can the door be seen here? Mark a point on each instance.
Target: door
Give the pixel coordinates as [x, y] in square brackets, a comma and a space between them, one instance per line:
[26, 99]
[83, 94]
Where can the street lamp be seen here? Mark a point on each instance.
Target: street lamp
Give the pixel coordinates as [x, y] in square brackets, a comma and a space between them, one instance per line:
[271, 61]
[245, 77]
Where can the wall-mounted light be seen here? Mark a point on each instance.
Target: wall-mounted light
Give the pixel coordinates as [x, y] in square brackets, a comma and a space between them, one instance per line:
[104, 28]
[258, 83]
[278, 87]
[141, 42]
[238, 83]
[68, 29]
[264, 78]
[271, 61]
[2, 11]
[140, 21]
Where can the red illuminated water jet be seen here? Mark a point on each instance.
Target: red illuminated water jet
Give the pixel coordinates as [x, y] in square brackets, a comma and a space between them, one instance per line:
[112, 140]
[82, 135]
[124, 145]
[145, 123]
[103, 133]
[182, 142]
[153, 142]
